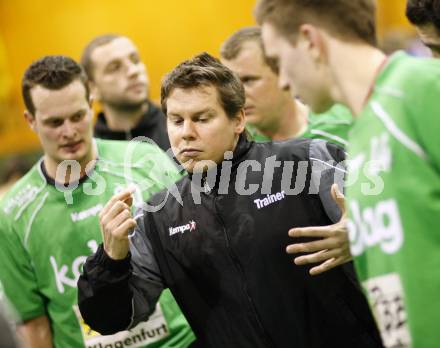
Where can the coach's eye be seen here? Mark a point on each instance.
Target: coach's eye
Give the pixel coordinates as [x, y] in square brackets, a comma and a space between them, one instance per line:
[177, 121]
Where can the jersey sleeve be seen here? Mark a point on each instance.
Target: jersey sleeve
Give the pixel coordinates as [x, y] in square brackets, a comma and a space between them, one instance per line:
[328, 167]
[425, 113]
[17, 275]
[332, 126]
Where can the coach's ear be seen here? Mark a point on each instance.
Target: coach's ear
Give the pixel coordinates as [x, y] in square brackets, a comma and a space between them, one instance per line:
[30, 119]
[240, 122]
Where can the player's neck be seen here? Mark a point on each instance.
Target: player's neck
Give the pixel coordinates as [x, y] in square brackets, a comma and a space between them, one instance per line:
[355, 68]
[69, 173]
[292, 123]
[123, 120]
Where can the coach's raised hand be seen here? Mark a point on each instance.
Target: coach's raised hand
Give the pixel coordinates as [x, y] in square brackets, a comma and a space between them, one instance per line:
[116, 222]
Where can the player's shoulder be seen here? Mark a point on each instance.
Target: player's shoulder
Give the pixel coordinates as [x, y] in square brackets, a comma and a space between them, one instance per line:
[300, 149]
[140, 156]
[409, 71]
[23, 193]
[338, 114]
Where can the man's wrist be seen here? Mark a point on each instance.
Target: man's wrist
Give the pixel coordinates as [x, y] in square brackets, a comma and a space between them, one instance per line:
[107, 262]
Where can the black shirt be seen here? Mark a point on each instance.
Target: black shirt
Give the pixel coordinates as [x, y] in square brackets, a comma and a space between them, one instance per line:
[151, 125]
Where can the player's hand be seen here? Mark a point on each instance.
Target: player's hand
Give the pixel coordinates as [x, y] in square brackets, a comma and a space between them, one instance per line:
[116, 221]
[330, 251]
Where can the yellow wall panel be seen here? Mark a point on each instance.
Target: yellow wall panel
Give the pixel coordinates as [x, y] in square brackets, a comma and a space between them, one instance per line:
[166, 32]
[391, 16]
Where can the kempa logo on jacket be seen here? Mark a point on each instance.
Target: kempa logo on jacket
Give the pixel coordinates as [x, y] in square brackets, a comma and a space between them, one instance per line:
[190, 226]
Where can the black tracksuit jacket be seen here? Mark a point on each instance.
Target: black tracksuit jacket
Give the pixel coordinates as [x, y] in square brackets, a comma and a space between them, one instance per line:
[151, 125]
[223, 257]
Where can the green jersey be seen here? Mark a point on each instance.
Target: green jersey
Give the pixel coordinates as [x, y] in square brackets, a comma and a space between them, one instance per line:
[332, 126]
[47, 231]
[255, 134]
[393, 199]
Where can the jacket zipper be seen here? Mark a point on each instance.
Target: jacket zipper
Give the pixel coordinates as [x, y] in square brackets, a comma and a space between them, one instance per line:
[240, 271]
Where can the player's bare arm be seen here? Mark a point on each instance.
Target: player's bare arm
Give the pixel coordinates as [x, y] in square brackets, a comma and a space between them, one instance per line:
[334, 247]
[36, 333]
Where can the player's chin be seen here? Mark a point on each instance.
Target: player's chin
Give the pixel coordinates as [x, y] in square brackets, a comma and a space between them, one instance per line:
[253, 118]
[202, 166]
[188, 165]
[195, 166]
[77, 155]
[136, 97]
[320, 105]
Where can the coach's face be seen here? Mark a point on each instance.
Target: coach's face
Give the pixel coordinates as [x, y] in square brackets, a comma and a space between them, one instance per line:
[303, 68]
[199, 129]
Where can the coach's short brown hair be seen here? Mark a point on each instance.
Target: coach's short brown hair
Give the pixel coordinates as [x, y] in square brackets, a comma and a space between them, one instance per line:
[205, 70]
[348, 19]
[233, 45]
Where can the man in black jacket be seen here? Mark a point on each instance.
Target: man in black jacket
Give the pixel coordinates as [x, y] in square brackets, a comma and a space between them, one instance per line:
[217, 239]
[119, 81]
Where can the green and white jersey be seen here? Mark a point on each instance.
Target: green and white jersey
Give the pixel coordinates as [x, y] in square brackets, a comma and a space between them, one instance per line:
[255, 134]
[394, 201]
[47, 232]
[332, 126]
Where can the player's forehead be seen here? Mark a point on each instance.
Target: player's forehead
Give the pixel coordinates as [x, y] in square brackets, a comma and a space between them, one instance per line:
[59, 103]
[272, 40]
[249, 60]
[117, 49]
[250, 49]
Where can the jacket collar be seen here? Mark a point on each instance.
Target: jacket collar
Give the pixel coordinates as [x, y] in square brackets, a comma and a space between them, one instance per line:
[147, 121]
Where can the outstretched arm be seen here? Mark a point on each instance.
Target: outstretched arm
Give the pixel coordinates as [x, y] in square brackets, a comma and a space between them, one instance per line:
[332, 250]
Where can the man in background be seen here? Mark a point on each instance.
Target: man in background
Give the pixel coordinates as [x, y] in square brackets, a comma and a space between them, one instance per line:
[119, 81]
[273, 113]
